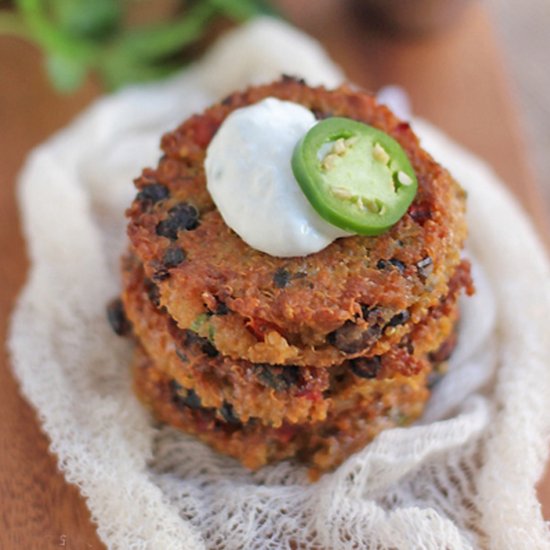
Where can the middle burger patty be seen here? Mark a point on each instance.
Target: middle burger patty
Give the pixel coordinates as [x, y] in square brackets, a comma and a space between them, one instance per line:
[271, 393]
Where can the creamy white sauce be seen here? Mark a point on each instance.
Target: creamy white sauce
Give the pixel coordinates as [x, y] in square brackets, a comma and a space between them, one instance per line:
[249, 176]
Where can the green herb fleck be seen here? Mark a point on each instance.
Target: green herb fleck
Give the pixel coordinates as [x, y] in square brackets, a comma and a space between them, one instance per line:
[199, 322]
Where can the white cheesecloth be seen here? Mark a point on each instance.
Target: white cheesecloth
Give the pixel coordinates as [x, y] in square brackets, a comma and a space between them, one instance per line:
[462, 477]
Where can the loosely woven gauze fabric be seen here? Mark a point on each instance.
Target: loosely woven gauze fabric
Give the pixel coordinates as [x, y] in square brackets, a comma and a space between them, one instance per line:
[462, 477]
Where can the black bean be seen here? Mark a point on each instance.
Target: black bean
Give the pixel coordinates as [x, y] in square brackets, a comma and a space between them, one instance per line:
[173, 257]
[399, 319]
[182, 356]
[221, 309]
[278, 378]
[281, 278]
[366, 310]
[267, 377]
[425, 267]
[175, 386]
[192, 338]
[372, 314]
[228, 414]
[153, 292]
[184, 397]
[153, 193]
[290, 78]
[385, 264]
[192, 399]
[398, 264]
[366, 367]
[117, 317]
[209, 349]
[183, 217]
[291, 375]
[351, 338]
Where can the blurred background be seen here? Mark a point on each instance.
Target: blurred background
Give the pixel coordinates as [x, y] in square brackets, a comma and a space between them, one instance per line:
[522, 29]
[524, 32]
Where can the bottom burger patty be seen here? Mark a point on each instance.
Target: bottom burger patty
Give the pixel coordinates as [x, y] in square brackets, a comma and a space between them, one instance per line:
[356, 418]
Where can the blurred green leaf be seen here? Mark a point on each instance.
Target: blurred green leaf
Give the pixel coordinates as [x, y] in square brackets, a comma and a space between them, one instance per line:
[78, 36]
[117, 70]
[90, 18]
[52, 38]
[161, 40]
[241, 10]
[65, 73]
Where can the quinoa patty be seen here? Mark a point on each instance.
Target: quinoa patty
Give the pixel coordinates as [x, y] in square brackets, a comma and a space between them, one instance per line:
[271, 393]
[288, 305]
[321, 445]
[267, 358]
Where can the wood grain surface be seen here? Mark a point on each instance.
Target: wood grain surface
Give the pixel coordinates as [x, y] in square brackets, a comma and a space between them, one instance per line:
[455, 79]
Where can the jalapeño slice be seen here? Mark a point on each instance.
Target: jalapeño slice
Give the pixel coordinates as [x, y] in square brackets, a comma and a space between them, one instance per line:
[355, 176]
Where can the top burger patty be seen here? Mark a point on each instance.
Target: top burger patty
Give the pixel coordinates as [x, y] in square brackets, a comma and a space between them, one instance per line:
[341, 301]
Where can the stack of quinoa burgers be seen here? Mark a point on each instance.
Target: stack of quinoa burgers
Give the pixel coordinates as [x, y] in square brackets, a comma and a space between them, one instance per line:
[266, 358]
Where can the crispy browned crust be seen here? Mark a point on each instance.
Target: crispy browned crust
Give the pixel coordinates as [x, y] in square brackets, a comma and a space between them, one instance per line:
[286, 310]
[322, 445]
[272, 394]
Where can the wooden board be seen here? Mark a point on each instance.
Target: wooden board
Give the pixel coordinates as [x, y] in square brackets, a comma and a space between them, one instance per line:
[455, 79]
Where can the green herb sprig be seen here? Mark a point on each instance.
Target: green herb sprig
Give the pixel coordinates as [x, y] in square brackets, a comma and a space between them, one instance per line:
[79, 37]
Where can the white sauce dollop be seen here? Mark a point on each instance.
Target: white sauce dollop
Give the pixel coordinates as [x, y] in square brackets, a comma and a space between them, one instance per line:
[249, 176]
